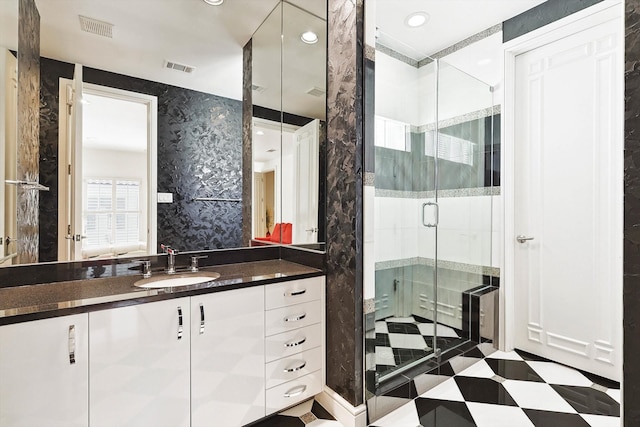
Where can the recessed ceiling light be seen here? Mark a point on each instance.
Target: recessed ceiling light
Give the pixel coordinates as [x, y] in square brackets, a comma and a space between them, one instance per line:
[214, 2]
[309, 37]
[417, 19]
[259, 132]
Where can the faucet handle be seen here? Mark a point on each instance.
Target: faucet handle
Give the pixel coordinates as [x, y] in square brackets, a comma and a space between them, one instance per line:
[166, 249]
[194, 262]
[145, 266]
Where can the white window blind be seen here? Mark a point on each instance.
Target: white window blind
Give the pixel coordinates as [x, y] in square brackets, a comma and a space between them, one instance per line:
[450, 148]
[392, 134]
[111, 214]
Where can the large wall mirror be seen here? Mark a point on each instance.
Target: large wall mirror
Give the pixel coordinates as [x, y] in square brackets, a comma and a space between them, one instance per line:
[140, 139]
[288, 136]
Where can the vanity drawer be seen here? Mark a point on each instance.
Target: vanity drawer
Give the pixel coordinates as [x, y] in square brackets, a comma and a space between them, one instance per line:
[292, 342]
[293, 292]
[292, 317]
[293, 392]
[292, 367]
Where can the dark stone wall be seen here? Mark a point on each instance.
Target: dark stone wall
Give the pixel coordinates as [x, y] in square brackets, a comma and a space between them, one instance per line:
[541, 15]
[199, 155]
[28, 129]
[247, 138]
[345, 335]
[631, 293]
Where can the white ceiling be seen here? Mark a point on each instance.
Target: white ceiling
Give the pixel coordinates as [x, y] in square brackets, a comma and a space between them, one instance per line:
[113, 124]
[450, 21]
[269, 143]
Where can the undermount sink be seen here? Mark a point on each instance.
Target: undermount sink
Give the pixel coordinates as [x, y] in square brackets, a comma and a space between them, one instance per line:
[175, 280]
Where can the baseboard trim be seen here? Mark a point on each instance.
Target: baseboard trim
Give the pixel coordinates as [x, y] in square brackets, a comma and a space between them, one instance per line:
[343, 411]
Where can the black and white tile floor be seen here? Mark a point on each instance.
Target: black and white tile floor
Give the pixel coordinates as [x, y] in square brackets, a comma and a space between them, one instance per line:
[510, 390]
[400, 340]
[309, 413]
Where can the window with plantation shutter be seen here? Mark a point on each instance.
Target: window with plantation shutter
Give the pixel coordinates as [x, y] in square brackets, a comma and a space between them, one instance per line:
[111, 215]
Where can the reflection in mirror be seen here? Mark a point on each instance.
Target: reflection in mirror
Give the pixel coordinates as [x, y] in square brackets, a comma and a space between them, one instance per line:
[161, 51]
[288, 147]
[8, 137]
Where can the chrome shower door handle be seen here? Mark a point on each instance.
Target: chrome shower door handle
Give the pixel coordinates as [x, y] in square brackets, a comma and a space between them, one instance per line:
[436, 214]
[521, 239]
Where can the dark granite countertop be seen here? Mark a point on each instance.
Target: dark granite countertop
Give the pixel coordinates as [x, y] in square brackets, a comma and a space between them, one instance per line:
[22, 303]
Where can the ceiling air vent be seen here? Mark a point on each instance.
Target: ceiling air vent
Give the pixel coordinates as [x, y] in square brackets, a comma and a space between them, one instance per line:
[179, 67]
[95, 26]
[258, 89]
[315, 91]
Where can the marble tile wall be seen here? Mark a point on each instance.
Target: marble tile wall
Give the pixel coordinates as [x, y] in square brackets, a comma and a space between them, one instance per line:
[631, 293]
[195, 132]
[28, 130]
[344, 200]
[247, 135]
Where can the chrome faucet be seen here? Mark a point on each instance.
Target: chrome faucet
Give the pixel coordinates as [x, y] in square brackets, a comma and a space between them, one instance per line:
[171, 258]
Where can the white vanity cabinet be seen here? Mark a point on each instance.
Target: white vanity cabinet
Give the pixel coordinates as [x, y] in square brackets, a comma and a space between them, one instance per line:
[44, 373]
[294, 336]
[227, 358]
[140, 370]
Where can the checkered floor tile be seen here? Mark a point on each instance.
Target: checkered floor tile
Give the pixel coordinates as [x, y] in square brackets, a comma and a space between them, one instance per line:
[512, 390]
[399, 341]
[309, 414]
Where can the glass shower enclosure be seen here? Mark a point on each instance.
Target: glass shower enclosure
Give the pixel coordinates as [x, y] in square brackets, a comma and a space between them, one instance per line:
[436, 175]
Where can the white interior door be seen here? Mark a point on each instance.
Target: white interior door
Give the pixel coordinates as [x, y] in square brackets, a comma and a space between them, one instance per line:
[305, 225]
[70, 168]
[569, 199]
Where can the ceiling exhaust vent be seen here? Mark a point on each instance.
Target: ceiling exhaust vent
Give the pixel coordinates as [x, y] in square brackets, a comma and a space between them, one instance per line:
[94, 26]
[259, 89]
[315, 91]
[179, 67]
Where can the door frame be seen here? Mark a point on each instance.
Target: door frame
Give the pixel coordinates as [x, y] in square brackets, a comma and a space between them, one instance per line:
[579, 21]
[152, 156]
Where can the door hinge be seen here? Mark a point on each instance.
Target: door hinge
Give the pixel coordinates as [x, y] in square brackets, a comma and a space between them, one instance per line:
[69, 229]
[69, 169]
[395, 284]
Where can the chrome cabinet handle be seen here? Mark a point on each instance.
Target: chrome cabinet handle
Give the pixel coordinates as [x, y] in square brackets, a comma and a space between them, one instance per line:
[296, 343]
[296, 391]
[201, 319]
[437, 214]
[295, 318]
[296, 368]
[295, 293]
[521, 239]
[72, 344]
[180, 328]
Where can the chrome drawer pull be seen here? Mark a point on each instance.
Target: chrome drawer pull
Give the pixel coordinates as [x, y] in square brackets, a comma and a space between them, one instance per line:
[295, 344]
[295, 318]
[72, 345]
[297, 368]
[179, 323]
[295, 293]
[296, 391]
[201, 319]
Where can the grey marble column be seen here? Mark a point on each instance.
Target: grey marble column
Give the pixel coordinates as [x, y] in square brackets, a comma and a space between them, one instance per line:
[631, 293]
[247, 128]
[28, 130]
[344, 199]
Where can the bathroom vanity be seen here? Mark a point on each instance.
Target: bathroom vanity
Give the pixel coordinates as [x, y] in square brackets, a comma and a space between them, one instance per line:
[104, 352]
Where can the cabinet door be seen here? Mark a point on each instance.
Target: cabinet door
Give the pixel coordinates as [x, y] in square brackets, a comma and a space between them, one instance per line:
[44, 373]
[140, 365]
[227, 358]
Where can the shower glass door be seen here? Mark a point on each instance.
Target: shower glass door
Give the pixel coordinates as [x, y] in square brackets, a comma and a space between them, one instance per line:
[435, 161]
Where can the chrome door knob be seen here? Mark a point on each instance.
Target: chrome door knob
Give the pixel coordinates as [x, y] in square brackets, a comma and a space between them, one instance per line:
[521, 239]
